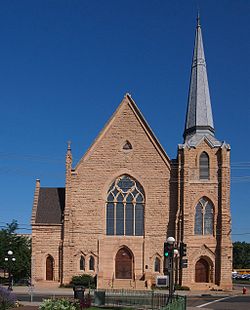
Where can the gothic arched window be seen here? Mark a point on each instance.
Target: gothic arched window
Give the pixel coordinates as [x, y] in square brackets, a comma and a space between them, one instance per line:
[198, 220]
[157, 267]
[204, 166]
[82, 263]
[91, 263]
[204, 217]
[125, 207]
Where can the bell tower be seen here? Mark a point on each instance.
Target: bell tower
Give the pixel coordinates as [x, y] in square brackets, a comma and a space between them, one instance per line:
[203, 217]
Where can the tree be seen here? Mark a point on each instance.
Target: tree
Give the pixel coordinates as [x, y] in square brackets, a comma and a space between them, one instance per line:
[21, 248]
[241, 255]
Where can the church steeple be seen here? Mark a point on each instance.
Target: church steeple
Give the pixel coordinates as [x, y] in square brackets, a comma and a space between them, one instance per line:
[199, 118]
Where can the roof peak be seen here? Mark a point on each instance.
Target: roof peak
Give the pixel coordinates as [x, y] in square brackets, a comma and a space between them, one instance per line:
[199, 118]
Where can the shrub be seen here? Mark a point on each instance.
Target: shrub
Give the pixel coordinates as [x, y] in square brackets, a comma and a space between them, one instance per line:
[7, 299]
[84, 280]
[182, 288]
[59, 304]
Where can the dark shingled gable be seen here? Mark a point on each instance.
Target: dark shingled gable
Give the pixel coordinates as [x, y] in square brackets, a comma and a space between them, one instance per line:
[51, 202]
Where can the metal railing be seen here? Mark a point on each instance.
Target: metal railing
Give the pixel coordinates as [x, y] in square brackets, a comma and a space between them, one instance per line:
[140, 299]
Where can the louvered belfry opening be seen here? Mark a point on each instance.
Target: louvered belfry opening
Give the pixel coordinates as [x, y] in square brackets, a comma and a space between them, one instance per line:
[204, 166]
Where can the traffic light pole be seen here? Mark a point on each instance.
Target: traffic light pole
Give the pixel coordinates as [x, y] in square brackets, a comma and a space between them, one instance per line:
[171, 278]
[169, 265]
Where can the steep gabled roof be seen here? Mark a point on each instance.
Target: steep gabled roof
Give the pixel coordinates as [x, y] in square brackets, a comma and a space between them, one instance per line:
[50, 206]
[128, 100]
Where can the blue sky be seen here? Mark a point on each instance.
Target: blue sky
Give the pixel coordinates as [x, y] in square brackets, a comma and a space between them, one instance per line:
[66, 65]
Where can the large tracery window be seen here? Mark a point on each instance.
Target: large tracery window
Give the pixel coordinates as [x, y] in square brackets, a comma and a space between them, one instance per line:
[125, 208]
[204, 217]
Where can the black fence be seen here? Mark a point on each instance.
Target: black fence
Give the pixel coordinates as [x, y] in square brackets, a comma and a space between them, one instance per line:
[139, 299]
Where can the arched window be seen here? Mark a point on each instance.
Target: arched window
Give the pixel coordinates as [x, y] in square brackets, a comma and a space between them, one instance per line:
[91, 263]
[198, 220]
[204, 217]
[204, 166]
[125, 208]
[157, 267]
[82, 263]
[49, 268]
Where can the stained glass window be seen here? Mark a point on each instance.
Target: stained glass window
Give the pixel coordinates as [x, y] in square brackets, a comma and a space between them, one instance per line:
[157, 265]
[82, 263]
[125, 207]
[208, 219]
[129, 219]
[91, 263]
[139, 223]
[204, 217]
[110, 218]
[198, 220]
[120, 218]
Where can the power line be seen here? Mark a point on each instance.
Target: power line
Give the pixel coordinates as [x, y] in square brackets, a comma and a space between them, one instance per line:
[34, 157]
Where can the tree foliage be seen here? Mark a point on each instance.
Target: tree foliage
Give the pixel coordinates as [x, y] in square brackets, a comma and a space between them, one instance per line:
[241, 255]
[21, 248]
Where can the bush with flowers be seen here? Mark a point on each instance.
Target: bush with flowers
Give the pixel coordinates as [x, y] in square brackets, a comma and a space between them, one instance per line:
[7, 299]
[59, 304]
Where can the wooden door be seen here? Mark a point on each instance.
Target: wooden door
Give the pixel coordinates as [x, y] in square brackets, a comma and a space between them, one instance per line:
[202, 271]
[123, 264]
[49, 268]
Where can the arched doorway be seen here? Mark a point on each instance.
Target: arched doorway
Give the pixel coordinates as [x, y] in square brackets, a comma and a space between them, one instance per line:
[202, 271]
[123, 264]
[49, 268]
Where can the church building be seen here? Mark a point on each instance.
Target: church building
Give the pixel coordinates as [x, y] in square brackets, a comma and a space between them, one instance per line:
[125, 197]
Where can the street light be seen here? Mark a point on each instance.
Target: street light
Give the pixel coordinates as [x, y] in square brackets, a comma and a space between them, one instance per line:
[10, 259]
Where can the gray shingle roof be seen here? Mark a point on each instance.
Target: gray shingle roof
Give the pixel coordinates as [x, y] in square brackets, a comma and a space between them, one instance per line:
[199, 118]
[51, 203]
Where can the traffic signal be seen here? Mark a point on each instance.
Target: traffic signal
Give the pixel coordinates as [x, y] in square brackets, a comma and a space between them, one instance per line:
[168, 249]
[183, 249]
[184, 263]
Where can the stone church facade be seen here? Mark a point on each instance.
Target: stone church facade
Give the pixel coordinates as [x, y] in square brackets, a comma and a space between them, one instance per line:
[126, 196]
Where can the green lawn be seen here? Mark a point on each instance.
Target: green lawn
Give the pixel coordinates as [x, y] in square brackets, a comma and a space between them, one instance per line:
[241, 282]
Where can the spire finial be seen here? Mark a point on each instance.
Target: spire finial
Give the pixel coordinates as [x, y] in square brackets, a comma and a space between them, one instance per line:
[69, 145]
[198, 19]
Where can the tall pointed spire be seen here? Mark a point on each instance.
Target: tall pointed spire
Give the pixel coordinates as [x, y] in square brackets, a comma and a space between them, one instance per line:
[199, 118]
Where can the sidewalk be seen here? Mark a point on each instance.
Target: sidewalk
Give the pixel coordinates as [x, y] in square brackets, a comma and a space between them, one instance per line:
[69, 292]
